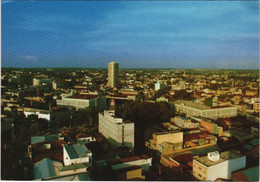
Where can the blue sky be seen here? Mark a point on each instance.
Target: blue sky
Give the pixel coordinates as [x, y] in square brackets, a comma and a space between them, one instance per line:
[157, 34]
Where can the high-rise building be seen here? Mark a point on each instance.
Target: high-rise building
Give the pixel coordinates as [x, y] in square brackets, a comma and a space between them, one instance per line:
[113, 69]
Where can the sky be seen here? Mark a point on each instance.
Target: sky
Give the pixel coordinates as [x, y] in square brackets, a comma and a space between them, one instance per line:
[136, 34]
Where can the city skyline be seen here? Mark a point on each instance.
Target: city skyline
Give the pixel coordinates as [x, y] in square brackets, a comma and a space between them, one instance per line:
[214, 35]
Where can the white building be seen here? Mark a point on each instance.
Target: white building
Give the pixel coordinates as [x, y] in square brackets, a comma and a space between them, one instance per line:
[76, 154]
[54, 115]
[159, 85]
[86, 140]
[194, 109]
[38, 81]
[217, 165]
[117, 131]
[113, 70]
[82, 101]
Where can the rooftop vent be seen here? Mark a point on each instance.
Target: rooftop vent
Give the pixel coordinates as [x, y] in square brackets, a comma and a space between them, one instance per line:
[213, 156]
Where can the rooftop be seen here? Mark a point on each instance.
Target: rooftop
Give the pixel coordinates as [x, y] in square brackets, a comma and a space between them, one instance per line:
[87, 97]
[76, 151]
[197, 105]
[128, 159]
[227, 155]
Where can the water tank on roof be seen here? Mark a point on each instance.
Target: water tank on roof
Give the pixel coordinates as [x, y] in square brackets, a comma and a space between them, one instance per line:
[213, 156]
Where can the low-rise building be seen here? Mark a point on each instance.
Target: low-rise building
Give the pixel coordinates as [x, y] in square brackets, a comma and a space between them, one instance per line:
[76, 154]
[185, 122]
[83, 101]
[133, 173]
[117, 131]
[208, 125]
[190, 108]
[54, 115]
[48, 169]
[218, 165]
[174, 137]
[159, 85]
[142, 161]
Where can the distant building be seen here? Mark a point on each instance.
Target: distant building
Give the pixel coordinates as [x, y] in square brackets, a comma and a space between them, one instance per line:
[57, 84]
[159, 85]
[117, 131]
[218, 165]
[251, 93]
[113, 70]
[38, 81]
[55, 115]
[209, 126]
[256, 107]
[76, 154]
[190, 108]
[83, 101]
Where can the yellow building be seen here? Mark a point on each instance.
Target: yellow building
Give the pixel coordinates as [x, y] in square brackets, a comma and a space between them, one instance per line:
[170, 137]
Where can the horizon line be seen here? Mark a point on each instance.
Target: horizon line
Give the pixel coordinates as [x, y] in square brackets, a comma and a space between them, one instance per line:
[129, 68]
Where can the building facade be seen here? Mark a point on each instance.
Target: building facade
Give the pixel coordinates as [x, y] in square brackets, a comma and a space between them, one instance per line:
[116, 130]
[113, 70]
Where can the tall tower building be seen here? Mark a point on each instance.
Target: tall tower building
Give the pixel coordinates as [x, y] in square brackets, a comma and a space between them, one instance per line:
[113, 69]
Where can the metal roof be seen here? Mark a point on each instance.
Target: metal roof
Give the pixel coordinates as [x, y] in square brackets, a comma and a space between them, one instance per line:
[46, 168]
[80, 150]
[252, 174]
[76, 151]
[71, 152]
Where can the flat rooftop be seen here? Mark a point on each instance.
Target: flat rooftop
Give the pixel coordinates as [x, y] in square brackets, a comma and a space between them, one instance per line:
[87, 97]
[197, 105]
[192, 104]
[228, 155]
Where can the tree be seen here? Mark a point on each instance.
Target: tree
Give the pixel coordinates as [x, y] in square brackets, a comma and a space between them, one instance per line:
[144, 115]
[208, 102]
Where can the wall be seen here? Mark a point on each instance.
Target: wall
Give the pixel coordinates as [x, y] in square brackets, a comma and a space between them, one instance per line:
[117, 132]
[167, 137]
[221, 170]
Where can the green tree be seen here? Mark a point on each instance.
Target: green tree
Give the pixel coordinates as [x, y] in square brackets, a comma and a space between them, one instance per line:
[208, 102]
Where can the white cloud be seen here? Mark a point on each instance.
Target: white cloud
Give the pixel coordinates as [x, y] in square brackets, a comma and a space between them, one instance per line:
[30, 58]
